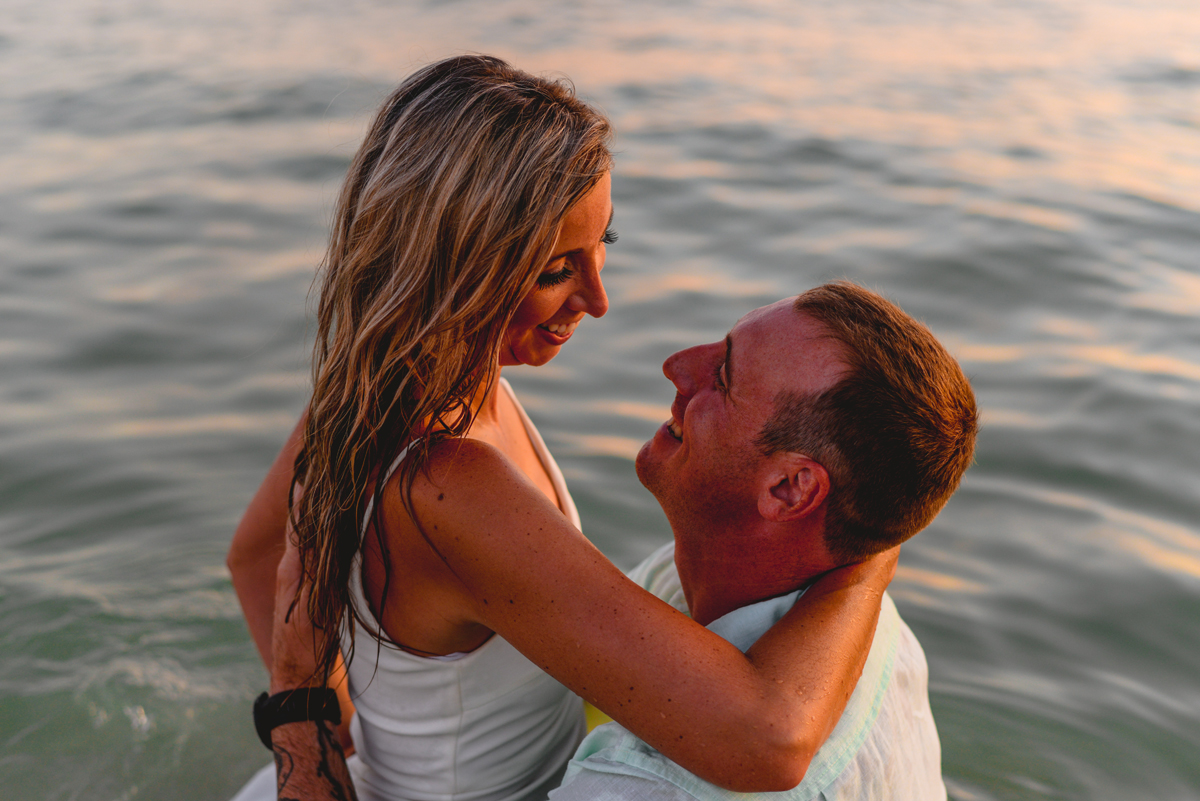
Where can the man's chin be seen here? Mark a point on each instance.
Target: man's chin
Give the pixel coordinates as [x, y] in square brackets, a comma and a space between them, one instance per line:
[643, 465]
[650, 463]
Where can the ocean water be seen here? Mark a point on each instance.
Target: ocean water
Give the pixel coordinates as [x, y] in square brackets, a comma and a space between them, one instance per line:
[1024, 176]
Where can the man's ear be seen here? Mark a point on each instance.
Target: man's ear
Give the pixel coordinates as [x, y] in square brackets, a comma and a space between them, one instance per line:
[795, 487]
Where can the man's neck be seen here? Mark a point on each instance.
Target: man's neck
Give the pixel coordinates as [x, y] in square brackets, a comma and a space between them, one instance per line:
[724, 571]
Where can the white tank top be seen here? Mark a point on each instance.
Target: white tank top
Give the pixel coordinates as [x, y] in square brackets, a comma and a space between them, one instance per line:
[487, 725]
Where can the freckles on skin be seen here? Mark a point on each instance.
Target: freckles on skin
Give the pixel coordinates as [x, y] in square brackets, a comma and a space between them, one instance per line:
[702, 460]
[569, 287]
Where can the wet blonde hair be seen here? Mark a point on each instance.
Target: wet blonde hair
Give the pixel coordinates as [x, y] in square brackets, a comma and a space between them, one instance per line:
[449, 212]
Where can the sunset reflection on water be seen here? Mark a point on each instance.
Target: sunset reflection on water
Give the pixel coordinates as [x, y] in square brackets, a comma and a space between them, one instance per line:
[1022, 176]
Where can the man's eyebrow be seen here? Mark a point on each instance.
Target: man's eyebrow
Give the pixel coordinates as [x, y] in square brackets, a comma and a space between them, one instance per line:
[728, 364]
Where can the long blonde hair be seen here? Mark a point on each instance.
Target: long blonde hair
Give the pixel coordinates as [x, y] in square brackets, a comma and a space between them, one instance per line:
[448, 214]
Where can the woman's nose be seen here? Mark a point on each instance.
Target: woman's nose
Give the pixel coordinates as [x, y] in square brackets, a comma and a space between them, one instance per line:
[591, 298]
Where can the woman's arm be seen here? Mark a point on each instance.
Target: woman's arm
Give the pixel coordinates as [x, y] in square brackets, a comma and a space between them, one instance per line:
[254, 556]
[747, 722]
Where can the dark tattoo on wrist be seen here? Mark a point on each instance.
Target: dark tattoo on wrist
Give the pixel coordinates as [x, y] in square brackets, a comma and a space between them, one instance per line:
[284, 765]
[326, 777]
[336, 772]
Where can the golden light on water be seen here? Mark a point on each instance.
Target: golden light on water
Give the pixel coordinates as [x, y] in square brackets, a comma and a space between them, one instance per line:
[204, 424]
[1079, 359]
[1162, 557]
[601, 445]
[1022, 176]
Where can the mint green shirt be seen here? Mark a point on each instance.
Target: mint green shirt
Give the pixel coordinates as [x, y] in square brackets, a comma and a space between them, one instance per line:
[885, 746]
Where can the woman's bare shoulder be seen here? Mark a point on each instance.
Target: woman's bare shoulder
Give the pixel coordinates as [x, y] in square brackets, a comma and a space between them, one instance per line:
[453, 461]
[466, 475]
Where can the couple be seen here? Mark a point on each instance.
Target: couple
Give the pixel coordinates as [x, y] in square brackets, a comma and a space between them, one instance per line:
[435, 532]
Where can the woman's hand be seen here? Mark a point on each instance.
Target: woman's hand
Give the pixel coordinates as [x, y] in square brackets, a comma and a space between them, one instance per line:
[832, 625]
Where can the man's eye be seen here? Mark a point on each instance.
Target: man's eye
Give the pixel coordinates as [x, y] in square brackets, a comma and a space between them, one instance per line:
[610, 236]
[547, 280]
[718, 379]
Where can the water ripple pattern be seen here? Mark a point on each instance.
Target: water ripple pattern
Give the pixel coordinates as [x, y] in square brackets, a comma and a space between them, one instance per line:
[1023, 176]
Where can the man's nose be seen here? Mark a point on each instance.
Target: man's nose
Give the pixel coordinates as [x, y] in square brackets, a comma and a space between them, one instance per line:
[687, 368]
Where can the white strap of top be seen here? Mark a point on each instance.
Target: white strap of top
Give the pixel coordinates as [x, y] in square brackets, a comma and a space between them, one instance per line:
[386, 478]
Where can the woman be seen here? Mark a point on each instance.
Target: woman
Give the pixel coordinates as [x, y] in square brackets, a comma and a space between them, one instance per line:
[441, 544]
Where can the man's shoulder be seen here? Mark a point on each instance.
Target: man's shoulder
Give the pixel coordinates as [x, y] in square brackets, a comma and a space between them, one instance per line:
[900, 754]
[885, 739]
[612, 764]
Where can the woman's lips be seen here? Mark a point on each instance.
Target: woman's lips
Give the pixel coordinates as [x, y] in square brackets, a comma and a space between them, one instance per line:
[560, 329]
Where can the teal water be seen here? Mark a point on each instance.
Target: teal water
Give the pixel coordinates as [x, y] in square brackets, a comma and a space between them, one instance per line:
[1024, 176]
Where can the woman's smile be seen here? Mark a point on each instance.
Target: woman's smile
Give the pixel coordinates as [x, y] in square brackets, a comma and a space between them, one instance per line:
[569, 286]
[562, 330]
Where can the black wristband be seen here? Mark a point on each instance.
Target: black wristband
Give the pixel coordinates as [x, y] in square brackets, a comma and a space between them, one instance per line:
[293, 706]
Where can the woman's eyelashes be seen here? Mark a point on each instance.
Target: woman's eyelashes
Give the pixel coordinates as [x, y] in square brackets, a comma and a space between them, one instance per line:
[547, 280]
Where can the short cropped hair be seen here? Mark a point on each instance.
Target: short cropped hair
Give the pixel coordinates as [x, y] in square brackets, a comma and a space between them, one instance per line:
[897, 431]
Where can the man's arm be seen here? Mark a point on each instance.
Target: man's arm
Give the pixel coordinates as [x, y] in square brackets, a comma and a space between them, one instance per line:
[254, 556]
[310, 764]
[258, 544]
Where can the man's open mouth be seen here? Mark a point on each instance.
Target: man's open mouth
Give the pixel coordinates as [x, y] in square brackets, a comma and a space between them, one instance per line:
[675, 429]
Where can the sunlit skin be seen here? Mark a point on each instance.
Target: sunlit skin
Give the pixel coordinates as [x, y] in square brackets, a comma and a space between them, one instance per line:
[568, 287]
[724, 393]
[493, 554]
[704, 469]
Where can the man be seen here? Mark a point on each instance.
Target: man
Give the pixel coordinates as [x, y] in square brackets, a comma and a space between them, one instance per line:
[826, 428]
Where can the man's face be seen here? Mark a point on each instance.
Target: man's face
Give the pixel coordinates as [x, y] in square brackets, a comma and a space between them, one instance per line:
[704, 460]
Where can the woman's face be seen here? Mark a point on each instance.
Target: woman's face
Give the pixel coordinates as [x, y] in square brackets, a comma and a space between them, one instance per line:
[569, 285]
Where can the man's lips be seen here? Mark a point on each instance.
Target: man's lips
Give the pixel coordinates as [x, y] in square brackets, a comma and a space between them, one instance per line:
[675, 424]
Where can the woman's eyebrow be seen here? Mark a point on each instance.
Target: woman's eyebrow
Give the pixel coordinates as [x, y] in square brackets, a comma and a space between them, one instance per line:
[607, 225]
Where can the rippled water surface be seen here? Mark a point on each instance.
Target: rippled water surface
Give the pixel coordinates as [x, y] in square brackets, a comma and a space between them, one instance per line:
[1024, 176]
